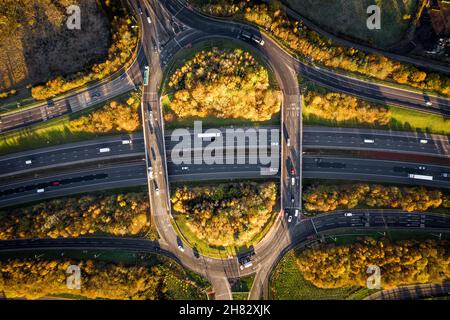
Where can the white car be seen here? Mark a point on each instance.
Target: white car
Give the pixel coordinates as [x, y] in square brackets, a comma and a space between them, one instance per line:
[293, 181]
[127, 142]
[103, 150]
[369, 141]
[28, 162]
[422, 168]
[288, 142]
[290, 219]
[246, 265]
[296, 213]
[423, 141]
[150, 172]
[428, 103]
[180, 247]
[40, 190]
[348, 214]
[446, 175]
[149, 20]
[184, 168]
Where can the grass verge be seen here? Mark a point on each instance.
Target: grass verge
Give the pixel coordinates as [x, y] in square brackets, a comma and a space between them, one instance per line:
[288, 283]
[401, 119]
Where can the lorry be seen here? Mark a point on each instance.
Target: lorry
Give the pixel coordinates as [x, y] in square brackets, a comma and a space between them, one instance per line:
[420, 177]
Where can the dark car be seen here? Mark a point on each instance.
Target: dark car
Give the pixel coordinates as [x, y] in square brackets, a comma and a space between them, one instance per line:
[100, 175]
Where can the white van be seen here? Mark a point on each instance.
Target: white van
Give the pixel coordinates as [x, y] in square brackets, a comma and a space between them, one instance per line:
[246, 265]
[296, 213]
[103, 150]
[150, 172]
[293, 181]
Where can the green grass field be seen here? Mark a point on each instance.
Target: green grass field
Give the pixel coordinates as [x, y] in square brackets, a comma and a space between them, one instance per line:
[243, 284]
[348, 17]
[240, 295]
[410, 120]
[241, 288]
[287, 283]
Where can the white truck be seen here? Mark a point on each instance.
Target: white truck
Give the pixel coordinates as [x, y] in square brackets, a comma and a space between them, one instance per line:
[420, 177]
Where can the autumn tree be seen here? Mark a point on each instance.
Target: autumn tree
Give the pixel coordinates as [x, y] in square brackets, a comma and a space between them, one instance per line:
[34, 279]
[116, 215]
[113, 117]
[342, 107]
[229, 214]
[308, 43]
[403, 263]
[226, 83]
[324, 197]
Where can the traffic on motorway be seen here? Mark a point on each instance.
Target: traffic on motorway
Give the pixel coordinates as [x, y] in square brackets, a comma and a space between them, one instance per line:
[148, 158]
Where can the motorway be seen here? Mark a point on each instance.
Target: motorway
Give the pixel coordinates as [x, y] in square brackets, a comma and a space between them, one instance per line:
[266, 250]
[120, 82]
[126, 172]
[174, 26]
[278, 56]
[313, 138]
[127, 79]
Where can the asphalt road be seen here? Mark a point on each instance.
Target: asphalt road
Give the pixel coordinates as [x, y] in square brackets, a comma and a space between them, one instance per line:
[382, 93]
[120, 82]
[124, 80]
[99, 177]
[413, 292]
[285, 68]
[267, 250]
[313, 138]
[123, 174]
[358, 169]
[71, 154]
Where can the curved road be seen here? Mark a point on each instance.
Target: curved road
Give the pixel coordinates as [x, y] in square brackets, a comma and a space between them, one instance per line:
[128, 79]
[286, 69]
[363, 220]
